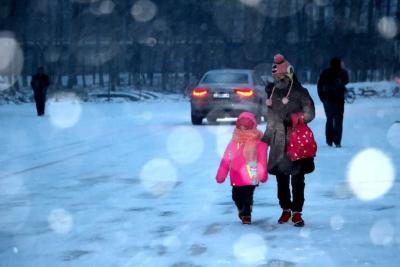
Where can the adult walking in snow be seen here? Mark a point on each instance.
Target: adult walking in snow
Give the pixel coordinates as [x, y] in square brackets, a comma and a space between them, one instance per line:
[40, 83]
[287, 99]
[331, 91]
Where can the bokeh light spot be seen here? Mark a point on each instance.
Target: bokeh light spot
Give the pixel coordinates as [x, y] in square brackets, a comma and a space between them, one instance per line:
[382, 233]
[143, 10]
[11, 185]
[321, 2]
[158, 176]
[12, 60]
[224, 136]
[185, 145]
[305, 232]
[387, 27]
[337, 222]
[252, 3]
[172, 243]
[64, 110]
[106, 7]
[60, 221]
[393, 135]
[370, 174]
[250, 249]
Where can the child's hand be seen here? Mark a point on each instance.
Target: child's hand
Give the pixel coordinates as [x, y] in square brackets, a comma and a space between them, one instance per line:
[219, 180]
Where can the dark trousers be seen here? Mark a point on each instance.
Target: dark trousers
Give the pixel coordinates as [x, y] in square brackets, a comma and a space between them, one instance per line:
[284, 195]
[243, 198]
[40, 101]
[334, 122]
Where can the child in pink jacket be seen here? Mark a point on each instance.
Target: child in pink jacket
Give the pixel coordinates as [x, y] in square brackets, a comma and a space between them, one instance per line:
[245, 158]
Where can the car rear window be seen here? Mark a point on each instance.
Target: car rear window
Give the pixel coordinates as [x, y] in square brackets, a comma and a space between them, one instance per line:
[226, 78]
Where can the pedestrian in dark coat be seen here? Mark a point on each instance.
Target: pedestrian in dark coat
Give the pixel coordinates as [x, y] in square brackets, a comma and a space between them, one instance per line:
[331, 91]
[40, 83]
[287, 97]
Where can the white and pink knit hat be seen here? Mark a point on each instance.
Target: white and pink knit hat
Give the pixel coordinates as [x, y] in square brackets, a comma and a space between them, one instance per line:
[281, 66]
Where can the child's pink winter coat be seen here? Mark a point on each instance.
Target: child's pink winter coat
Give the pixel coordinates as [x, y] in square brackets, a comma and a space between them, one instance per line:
[234, 160]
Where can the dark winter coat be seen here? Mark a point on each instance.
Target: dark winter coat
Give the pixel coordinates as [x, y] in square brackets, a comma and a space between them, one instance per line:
[332, 83]
[39, 84]
[276, 133]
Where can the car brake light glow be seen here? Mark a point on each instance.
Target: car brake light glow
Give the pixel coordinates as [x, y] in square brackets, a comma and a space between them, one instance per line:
[244, 92]
[200, 92]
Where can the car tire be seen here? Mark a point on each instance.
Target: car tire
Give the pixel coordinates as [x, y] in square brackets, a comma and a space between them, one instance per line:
[196, 120]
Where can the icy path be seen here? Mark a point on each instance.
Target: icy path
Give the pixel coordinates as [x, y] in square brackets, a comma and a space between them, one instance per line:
[133, 185]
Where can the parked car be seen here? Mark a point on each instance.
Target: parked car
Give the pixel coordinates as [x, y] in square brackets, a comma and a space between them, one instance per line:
[226, 93]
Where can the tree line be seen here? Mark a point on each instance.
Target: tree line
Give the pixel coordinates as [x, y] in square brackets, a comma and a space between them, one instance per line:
[169, 44]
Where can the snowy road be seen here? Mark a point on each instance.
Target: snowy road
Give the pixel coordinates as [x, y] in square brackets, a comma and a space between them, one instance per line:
[132, 184]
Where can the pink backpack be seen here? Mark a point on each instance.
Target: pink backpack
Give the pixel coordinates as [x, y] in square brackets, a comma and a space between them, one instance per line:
[301, 142]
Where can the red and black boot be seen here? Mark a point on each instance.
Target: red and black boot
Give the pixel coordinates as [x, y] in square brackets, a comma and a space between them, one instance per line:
[297, 220]
[285, 217]
[246, 219]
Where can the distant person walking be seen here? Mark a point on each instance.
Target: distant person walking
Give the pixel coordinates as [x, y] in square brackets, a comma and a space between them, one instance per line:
[331, 90]
[287, 101]
[40, 83]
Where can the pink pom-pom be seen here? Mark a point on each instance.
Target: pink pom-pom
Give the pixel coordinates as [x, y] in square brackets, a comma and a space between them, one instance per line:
[278, 59]
[268, 102]
[285, 100]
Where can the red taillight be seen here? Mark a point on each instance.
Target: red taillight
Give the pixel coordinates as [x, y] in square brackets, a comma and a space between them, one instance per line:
[244, 92]
[200, 92]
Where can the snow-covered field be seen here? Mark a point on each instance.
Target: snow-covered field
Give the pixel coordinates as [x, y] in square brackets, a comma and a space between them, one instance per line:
[132, 184]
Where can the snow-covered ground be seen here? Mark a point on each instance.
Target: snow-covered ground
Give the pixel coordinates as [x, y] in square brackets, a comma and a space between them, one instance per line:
[132, 184]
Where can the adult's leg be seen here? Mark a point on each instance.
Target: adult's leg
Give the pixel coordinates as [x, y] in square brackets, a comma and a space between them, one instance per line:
[42, 102]
[37, 103]
[298, 185]
[329, 123]
[338, 124]
[284, 191]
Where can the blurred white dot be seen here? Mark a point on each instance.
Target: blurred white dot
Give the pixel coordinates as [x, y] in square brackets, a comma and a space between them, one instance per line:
[337, 222]
[321, 2]
[147, 116]
[11, 185]
[305, 232]
[149, 41]
[252, 3]
[382, 233]
[381, 114]
[12, 59]
[250, 249]
[393, 135]
[224, 136]
[158, 176]
[185, 144]
[387, 26]
[60, 221]
[52, 54]
[122, 237]
[106, 7]
[144, 10]
[15, 250]
[370, 174]
[64, 110]
[172, 243]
